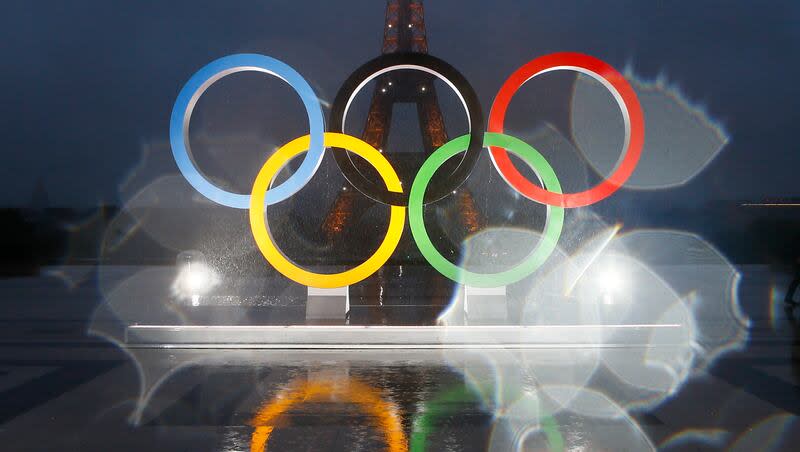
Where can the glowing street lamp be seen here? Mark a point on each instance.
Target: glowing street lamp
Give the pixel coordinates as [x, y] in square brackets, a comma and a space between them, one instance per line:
[195, 277]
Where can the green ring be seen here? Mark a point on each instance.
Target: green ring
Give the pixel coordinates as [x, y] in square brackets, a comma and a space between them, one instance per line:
[552, 230]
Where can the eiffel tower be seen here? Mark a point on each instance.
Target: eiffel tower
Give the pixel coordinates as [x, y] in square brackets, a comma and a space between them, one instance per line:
[404, 32]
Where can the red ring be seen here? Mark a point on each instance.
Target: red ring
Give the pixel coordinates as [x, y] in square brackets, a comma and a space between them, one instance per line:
[631, 111]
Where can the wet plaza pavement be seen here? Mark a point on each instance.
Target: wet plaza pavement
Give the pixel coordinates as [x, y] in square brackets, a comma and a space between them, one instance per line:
[63, 389]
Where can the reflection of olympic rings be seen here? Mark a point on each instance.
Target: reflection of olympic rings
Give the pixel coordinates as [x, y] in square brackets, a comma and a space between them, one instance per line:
[270, 250]
[199, 83]
[631, 113]
[552, 229]
[431, 411]
[445, 405]
[391, 192]
[366, 397]
[420, 62]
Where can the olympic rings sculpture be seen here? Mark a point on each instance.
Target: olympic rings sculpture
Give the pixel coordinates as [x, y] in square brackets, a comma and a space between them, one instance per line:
[423, 190]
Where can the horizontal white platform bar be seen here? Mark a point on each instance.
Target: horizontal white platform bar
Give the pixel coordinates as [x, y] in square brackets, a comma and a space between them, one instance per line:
[410, 337]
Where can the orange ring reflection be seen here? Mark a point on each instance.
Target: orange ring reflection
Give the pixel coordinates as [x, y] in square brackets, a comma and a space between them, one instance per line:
[366, 397]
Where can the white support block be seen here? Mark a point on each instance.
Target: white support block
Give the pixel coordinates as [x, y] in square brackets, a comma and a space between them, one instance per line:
[485, 305]
[327, 304]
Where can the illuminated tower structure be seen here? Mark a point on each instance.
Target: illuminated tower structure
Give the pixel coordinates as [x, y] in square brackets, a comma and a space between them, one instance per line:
[385, 296]
[404, 32]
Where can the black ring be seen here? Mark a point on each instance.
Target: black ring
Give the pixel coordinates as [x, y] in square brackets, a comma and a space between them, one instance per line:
[395, 61]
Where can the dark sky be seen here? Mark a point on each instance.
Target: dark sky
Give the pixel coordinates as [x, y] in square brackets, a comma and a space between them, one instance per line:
[85, 83]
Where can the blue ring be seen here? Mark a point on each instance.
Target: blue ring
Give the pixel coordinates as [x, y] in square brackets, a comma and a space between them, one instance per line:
[205, 77]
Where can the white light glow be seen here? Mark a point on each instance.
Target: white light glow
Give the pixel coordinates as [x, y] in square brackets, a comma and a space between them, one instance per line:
[611, 280]
[194, 280]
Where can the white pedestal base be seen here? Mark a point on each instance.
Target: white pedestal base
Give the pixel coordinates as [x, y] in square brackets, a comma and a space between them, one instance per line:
[485, 306]
[328, 304]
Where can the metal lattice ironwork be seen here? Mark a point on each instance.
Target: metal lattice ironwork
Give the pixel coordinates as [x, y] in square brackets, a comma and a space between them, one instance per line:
[404, 32]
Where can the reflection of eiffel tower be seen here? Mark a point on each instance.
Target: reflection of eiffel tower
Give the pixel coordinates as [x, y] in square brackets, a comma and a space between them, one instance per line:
[404, 32]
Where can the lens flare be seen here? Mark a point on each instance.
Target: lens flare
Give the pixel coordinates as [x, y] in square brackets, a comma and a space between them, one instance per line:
[668, 159]
[706, 281]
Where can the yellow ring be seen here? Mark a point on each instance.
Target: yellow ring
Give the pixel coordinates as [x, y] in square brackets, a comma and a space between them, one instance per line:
[271, 252]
